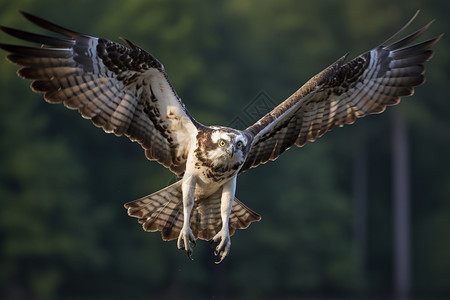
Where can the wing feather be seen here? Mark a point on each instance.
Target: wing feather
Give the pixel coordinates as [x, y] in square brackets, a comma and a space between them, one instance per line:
[122, 89]
[342, 93]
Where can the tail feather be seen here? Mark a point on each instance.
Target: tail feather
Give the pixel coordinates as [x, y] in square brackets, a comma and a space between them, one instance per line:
[160, 211]
[163, 211]
[241, 216]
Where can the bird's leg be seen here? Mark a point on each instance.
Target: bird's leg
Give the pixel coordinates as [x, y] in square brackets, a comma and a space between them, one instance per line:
[186, 236]
[223, 235]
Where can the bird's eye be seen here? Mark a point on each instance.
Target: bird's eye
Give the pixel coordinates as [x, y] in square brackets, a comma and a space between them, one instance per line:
[222, 143]
[239, 145]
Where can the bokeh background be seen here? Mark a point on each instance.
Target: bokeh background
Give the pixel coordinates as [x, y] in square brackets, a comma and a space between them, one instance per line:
[328, 217]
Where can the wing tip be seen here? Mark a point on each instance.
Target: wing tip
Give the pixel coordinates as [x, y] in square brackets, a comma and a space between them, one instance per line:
[395, 35]
[409, 38]
[50, 26]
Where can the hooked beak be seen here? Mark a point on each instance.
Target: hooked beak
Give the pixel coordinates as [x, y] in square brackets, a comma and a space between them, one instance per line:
[231, 152]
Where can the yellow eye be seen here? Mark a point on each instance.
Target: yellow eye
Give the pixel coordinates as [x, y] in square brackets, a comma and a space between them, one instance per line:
[222, 143]
[239, 145]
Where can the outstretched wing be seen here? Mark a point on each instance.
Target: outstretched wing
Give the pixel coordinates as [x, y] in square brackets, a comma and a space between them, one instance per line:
[340, 94]
[122, 89]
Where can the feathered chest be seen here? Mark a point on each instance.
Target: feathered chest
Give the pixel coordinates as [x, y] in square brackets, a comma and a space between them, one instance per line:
[213, 167]
[216, 158]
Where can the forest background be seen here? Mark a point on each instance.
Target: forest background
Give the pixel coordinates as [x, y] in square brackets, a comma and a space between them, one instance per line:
[327, 209]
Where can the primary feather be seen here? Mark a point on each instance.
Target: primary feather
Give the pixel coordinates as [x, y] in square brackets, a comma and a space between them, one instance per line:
[125, 90]
[340, 94]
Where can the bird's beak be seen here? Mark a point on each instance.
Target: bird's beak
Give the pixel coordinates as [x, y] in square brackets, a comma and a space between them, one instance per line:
[232, 152]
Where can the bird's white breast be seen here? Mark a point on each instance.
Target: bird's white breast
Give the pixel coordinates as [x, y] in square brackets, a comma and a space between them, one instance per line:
[211, 175]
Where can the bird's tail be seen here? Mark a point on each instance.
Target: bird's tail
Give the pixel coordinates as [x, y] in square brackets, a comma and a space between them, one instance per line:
[163, 211]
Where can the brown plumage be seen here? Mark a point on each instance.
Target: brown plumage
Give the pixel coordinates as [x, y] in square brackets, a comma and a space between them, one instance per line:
[126, 91]
[104, 81]
[342, 93]
[163, 211]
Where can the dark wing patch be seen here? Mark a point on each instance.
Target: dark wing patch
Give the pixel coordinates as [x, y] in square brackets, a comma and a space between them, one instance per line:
[123, 90]
[340, 94]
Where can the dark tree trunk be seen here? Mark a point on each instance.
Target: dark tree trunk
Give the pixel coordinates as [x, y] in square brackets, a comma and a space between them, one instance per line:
[400, 172]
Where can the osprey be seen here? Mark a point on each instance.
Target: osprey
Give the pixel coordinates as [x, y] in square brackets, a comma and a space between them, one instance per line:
[125, 90]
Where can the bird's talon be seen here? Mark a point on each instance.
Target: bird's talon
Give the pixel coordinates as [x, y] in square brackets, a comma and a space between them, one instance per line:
[186, 242]
[223, 249]
[218, 262]
[189, 254]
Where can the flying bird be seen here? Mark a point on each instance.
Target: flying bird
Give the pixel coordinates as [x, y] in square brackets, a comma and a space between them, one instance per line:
[126, 91]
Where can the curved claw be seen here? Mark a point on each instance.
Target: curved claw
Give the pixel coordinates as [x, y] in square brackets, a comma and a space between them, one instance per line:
[190, 251]
[223, 249]
[189, 254]
[222, 254]
[221, 260]
[186, 242]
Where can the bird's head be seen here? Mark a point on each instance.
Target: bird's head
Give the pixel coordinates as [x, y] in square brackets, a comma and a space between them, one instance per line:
[229, 145]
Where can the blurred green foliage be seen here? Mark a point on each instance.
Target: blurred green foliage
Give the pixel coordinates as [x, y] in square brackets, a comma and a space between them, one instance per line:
[65, 234]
